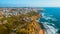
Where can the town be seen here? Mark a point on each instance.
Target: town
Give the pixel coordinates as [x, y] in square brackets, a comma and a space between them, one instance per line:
[15, 11]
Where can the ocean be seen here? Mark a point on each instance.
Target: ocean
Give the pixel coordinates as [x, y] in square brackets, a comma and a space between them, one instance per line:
[51, 19]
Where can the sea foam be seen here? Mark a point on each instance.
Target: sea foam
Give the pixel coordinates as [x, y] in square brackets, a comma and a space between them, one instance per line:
[49, 27]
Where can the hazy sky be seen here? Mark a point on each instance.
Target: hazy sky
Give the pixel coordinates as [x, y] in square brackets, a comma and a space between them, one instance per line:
[31, 3]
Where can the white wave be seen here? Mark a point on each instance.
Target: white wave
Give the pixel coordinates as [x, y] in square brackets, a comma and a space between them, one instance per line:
[49, 29]
[43, 14]
[51, 15]
[48, 23]
[48, 17]
[54, 19]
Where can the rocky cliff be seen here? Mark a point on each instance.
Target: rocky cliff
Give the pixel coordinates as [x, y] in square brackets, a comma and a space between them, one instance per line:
[21, 24]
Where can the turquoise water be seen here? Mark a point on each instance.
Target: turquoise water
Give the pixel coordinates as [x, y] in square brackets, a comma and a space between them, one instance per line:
[56, 14]
[51, 16]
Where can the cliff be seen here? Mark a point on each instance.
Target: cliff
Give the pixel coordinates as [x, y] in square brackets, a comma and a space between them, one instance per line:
[21, 24]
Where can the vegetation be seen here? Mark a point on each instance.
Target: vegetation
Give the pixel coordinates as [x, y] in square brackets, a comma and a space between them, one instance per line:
[18, 25]
[32, 13]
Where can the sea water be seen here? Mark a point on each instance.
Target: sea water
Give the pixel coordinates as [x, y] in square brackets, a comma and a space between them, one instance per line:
[51, 20]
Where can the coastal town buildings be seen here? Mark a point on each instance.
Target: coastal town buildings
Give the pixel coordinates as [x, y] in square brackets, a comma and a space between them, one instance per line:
[16, 11]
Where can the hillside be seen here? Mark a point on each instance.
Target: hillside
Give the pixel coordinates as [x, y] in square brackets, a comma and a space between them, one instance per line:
[21, 24]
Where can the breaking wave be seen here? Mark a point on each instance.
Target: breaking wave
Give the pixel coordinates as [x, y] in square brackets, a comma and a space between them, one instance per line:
[50, 27]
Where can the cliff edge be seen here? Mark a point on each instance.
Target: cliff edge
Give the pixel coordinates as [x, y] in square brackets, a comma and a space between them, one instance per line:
[21, 24]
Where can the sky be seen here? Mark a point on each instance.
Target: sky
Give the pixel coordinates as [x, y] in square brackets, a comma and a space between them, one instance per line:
[30, 3]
